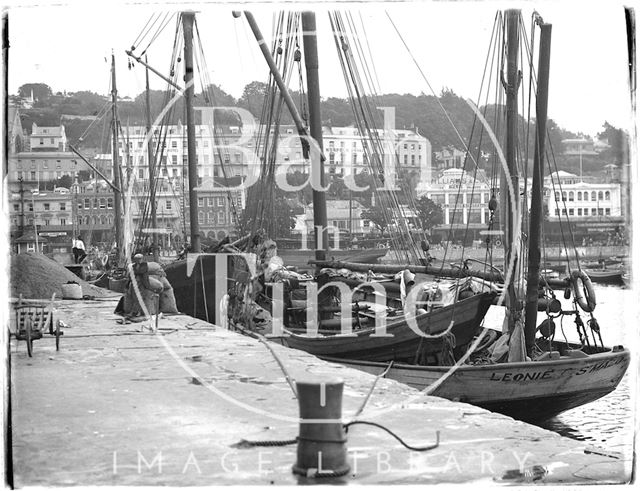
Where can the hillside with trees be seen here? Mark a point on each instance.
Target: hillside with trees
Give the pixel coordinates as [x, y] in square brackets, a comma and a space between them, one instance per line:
[421, 113]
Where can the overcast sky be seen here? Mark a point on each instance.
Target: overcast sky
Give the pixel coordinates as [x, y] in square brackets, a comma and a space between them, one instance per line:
[65, 47]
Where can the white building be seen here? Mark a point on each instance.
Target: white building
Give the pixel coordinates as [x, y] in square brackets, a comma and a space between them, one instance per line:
[568, 195]
[48, 138]
[464, 200]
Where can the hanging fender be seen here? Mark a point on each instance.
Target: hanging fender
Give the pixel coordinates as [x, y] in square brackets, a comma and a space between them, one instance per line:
[583, 290]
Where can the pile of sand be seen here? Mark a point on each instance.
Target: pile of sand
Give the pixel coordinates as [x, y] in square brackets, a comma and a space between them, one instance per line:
[36, 276]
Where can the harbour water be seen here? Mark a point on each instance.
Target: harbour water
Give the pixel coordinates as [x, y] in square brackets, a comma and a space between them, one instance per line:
[608, 422]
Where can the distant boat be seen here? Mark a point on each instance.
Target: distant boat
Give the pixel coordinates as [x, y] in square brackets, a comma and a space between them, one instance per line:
[300, 258]
[606, 276]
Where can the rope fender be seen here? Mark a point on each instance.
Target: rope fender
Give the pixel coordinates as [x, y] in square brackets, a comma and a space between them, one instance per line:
[583, 290]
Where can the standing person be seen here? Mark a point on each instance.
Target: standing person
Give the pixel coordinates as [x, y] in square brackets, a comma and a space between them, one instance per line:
[79, 251]
[75, 250]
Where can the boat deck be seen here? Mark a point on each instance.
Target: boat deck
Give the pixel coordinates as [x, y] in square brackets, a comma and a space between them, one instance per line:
[119, 406]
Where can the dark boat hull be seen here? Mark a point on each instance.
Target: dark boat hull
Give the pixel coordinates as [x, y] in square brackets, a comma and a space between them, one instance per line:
[196, 282]
[606, 277]
[403, 343]
[528, 391]
[300, 258]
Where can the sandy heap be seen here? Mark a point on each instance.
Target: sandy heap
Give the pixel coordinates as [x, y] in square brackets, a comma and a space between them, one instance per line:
[36, 276]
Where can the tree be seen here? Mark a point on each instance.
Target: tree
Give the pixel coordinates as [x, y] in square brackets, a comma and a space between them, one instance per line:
[284, 218]
[617, 140]
[41, 91]
[378, 216]
[253, 97]
[430, 213]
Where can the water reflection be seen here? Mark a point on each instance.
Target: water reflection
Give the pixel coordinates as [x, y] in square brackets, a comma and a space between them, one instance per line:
[607, 422]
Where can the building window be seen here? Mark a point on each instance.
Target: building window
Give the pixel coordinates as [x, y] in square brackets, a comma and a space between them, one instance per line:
[593, 195]
[600, 195]
[557, 212]
[557, 196]
[607, 195]
[210, 202]
[593, 212]
[103, 203]
[570, 195]
[33, 175]
[46, 207]
[206, 144]
[63, 221]
[571, 211]
[607, 211]
[564, 196]
[174, 159]
[16, 207]
[579, 195]
[63, 206]
[220, 202]
[87, 204]
[405, 159]
[201, 217]
[140, 173]
[47, 222]
[413, 160]
[579, 212]
[167, 204]
[221, 218]
[600, 211]
[586, 212]
[564, 211]
[200, 202]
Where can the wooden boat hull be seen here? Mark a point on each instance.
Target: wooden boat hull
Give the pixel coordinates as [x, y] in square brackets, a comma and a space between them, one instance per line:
[300, 258]
[195, 289]
[528, 391]
[402, 342]
[606, 276]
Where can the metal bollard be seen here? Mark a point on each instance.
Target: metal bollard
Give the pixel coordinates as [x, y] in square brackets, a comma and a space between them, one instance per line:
[321, 446]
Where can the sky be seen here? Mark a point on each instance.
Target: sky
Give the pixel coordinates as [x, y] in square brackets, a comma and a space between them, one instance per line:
[67, 45]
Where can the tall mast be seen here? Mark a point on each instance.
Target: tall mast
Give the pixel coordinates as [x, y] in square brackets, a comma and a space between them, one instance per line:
[151, 162]
[117, 195]
[187, 27]
[535, 222]
[310, 42]
[511, 205]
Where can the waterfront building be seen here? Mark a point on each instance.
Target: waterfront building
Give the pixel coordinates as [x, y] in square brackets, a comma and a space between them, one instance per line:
[594, 209]
[464, 202]
[220, 204]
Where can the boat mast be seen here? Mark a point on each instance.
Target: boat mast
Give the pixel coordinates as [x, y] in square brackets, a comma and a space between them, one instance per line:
[151, 163]
[511, 204]
[187, 27]
[535, 222]
[117, 194]
[310, 42]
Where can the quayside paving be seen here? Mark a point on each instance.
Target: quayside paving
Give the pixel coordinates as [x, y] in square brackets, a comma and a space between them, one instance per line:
[120, 405]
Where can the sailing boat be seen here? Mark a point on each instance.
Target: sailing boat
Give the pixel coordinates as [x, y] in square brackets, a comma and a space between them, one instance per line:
[446, 310]
[524, 377]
